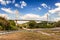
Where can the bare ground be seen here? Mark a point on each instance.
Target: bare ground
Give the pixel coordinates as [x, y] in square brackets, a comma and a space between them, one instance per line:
[27, 35]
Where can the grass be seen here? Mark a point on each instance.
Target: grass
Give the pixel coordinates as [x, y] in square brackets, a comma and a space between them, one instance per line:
[27, 35]
[55, 32]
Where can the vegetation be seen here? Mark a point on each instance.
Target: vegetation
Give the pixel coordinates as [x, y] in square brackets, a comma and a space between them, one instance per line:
[6, 24]
[57, 24]
[43, 24]
[11, 25]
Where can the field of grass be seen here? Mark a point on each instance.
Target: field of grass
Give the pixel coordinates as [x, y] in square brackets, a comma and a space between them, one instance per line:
[27, 35]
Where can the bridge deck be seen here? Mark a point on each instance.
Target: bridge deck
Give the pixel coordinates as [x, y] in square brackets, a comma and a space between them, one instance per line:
[27, 20]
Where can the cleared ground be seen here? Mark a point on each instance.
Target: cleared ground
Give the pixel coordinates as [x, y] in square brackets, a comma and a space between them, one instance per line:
[30, 35]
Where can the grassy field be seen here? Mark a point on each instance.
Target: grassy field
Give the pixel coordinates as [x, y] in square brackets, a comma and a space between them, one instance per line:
[27, 35]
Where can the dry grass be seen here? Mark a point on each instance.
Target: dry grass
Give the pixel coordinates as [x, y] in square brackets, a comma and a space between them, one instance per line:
[25, 35]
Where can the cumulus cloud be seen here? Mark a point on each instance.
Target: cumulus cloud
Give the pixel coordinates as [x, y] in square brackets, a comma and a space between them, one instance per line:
[34, 17]
[30, 16]
[57, 4]
[56, 10]
[23, 4]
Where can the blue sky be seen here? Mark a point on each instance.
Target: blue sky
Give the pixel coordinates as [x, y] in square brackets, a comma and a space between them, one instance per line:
[30, 9]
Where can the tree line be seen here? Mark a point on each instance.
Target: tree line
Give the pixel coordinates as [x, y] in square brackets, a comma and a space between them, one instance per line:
[42, 24]
[11, 25]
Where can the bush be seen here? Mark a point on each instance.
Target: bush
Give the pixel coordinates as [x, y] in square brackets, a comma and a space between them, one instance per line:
[7, 24]
[1, 28]
[13, 27]
[4, 23]
[50, 26]
[31, 24]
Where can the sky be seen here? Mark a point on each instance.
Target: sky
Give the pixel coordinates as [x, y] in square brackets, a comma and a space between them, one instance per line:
[30, 9]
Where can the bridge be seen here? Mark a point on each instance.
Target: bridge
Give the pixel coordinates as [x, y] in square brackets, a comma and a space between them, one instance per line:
[26, 20]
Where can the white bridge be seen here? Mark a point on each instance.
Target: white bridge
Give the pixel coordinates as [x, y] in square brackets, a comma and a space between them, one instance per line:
[26, 20]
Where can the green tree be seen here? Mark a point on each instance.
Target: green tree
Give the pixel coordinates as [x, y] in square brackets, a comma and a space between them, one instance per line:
[7, 24]
[32, 24]
[4, 23]
[13, 25]
[57, 24]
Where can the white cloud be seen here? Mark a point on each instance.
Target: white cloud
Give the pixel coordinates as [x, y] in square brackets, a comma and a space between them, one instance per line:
[23, 4]
[56, 10]
[4, 15]
[57, 4]
[3, 2]
[57, 19]
[7, 2]
[30, 16]
[44, 5]
[17, 5]
[8, 10]
[39, 8]
[34, 17]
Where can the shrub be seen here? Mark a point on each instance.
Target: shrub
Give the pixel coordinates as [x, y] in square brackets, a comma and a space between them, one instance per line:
[13, 27]
[31, 24]
[1, 28]
[7, 24]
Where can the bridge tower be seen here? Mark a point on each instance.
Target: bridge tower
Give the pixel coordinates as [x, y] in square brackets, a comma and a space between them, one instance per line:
[47, 19]
[16, 12]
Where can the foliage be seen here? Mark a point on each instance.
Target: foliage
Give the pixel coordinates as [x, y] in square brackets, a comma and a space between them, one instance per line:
[31, 24]
[43, 24]
[1, 28]
[57, 24]
[7, 24]
[12, 22]
[4, 23]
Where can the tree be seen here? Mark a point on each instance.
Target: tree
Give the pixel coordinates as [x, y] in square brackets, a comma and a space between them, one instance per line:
[12, 22]
[13, 25]
[4, 23]
[7, 24]
[32, 24]
[57, 24]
